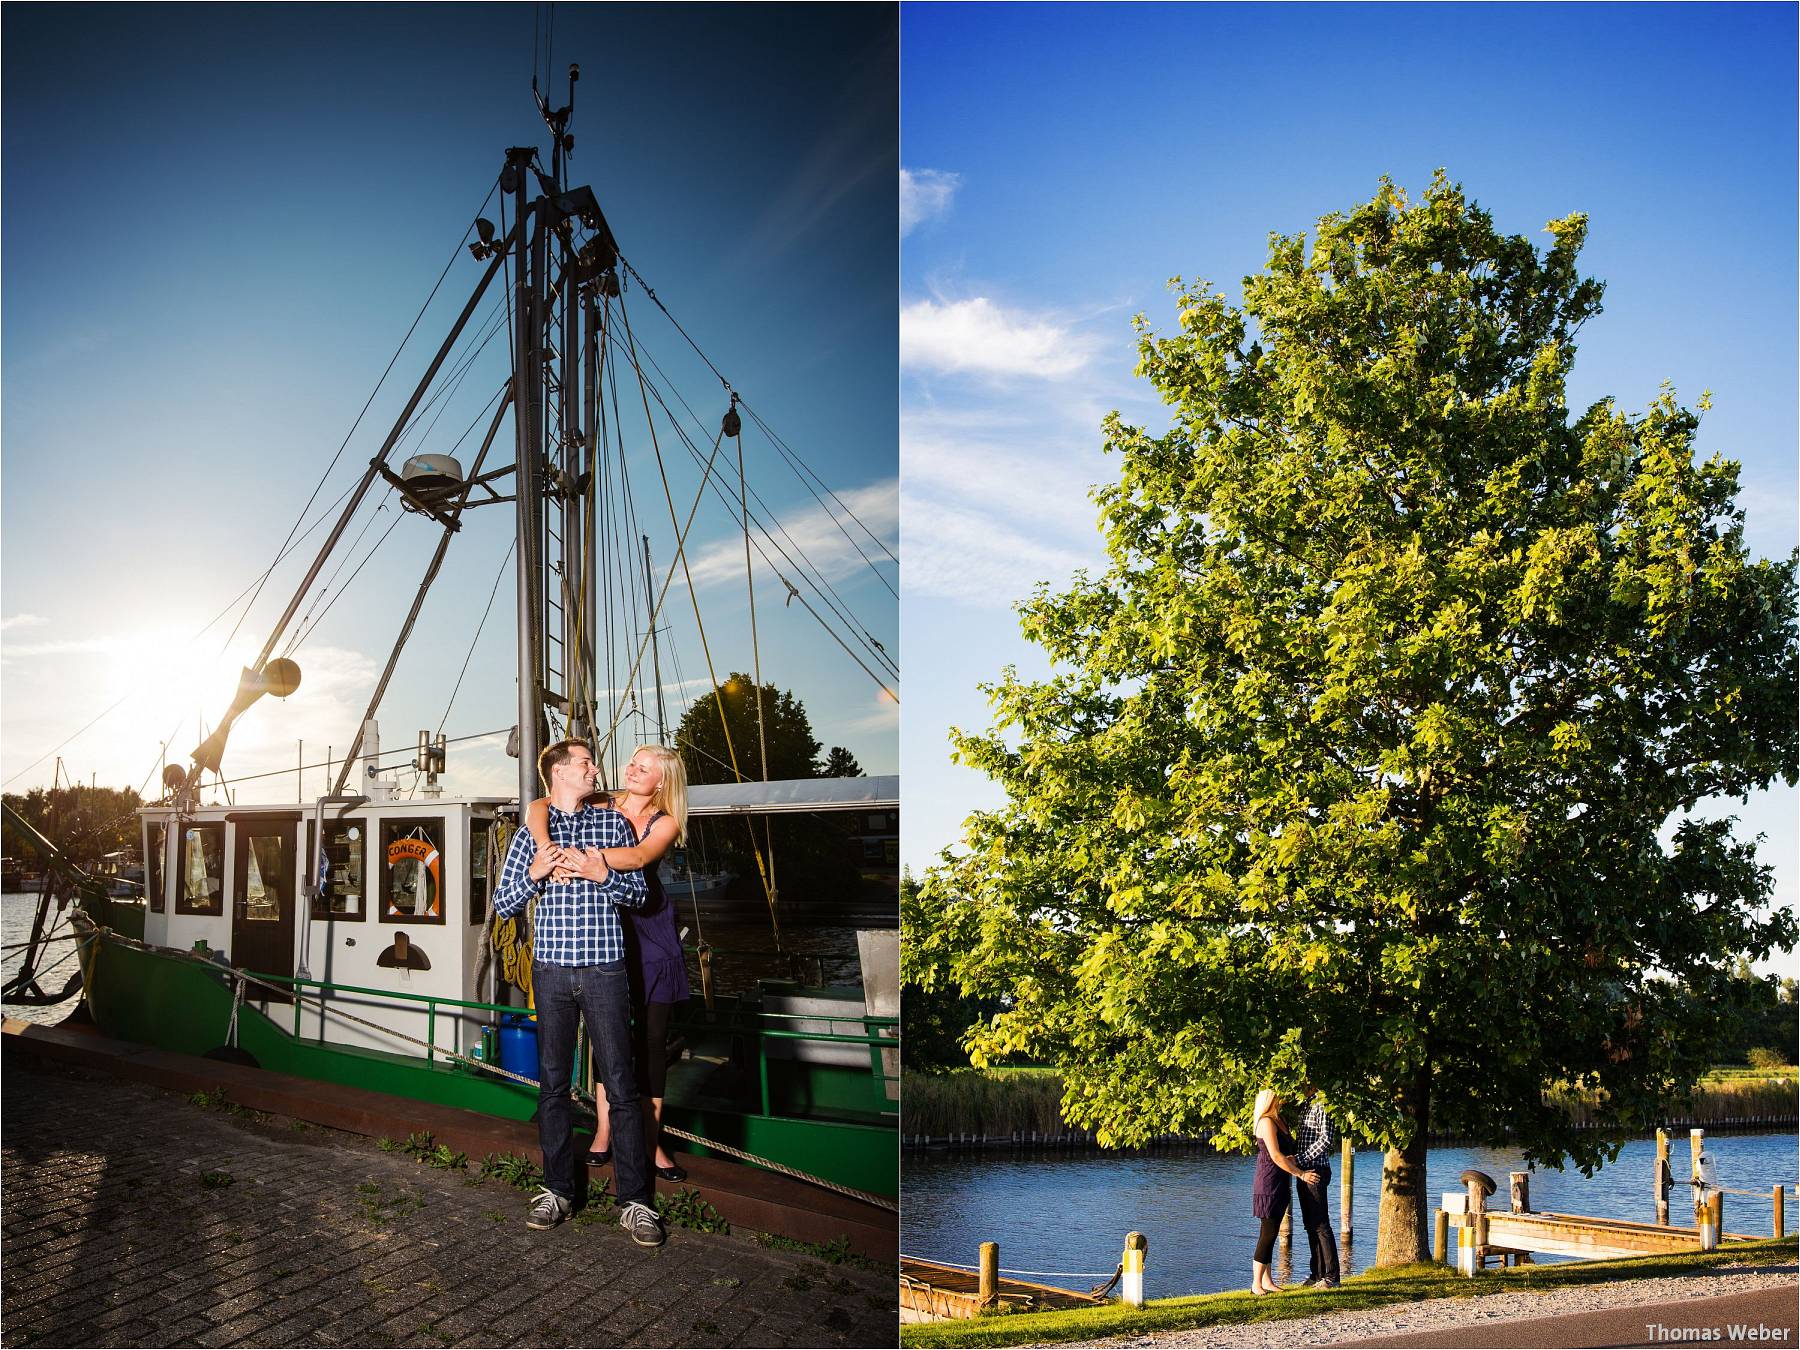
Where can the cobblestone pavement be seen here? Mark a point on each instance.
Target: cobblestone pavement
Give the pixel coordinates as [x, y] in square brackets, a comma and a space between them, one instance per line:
[133, 1217]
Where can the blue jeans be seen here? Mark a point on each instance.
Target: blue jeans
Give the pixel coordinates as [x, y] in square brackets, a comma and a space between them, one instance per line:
[601, 995]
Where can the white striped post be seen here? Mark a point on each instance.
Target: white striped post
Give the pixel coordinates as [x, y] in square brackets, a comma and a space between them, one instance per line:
[1131, 1283]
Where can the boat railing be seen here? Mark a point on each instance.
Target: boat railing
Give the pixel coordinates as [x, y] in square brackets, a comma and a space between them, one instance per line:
[879, 1033]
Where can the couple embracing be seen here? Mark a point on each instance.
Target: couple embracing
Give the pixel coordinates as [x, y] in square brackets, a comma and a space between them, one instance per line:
[1302, 1154]
[586, 864]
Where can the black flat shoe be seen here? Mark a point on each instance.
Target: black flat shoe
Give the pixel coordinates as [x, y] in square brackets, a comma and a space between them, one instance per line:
[673, 1172]
[599, 1157]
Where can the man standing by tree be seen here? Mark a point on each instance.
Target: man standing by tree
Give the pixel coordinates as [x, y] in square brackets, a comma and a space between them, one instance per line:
[1393, 709]
[1313, 1140]
[578, 973]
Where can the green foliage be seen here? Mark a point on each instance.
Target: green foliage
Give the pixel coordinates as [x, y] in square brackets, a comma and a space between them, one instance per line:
[515, 1170]
[980, 1101]
[935, 1020]
[688, 1209]
[1353, 765]
[387, 1145]
[86, 823]
[1768, 1057]
[212, 1181]
[840, 763]
[1761, 1013]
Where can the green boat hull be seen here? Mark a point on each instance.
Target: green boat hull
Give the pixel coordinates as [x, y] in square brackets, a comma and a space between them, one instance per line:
[842, 1136]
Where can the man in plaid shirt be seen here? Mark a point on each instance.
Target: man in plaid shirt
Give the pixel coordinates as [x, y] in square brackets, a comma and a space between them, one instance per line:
[1313, 1143]
[577, 973]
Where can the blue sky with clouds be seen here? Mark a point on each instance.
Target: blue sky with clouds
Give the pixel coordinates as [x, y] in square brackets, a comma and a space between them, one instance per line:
[219, 222]
[1063, 162]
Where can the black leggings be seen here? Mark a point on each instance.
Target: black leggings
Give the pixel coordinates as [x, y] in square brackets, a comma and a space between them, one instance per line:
[1265, 1240]
[652, 1037]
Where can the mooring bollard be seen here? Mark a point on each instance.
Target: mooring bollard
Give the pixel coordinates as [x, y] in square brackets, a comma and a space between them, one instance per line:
[1346, 1170]
[1707, 1212]
[1440, 1234]
[1521, 1192]
[1131, 1282]
[988, 1289]
[1665, 1179]
[1781, 1211]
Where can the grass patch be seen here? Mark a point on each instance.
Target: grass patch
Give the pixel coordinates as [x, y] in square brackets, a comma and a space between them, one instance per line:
[381, 1207]
[834, 1253]
[213, 1181]
[1374, 1289]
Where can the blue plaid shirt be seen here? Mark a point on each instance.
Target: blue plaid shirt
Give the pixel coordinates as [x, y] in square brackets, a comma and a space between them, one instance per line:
[577, 921]
[1313, 1137]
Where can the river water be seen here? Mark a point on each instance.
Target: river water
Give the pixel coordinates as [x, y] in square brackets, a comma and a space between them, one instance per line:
[55, 964]
[1070, 1214]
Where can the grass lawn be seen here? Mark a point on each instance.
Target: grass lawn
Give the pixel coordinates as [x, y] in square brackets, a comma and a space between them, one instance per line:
[1401, 1284]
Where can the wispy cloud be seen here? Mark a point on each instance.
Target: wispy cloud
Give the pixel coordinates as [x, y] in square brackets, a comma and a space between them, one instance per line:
[979, 337]
[22, 621]
[810, 530]
[978, 558]
[925, 193]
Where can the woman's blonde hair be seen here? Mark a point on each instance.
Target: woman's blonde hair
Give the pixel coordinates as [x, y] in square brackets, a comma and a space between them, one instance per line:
[1267, 1104]
[671, 794]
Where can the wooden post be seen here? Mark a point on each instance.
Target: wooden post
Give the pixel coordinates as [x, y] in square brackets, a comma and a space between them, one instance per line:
[989, 1288]
[1346, 1171]
[1664, 1178]
[1473, 1257]
[1781, 1211]
[1521, 1192]
[1440, 1235]
[1131, 1282]
[1703, 1200]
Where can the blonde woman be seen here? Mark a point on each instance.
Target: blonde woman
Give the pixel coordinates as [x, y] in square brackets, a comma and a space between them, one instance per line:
[655, 802]
[1270, 1194]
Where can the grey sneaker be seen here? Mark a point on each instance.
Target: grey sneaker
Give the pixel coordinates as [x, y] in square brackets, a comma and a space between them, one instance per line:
[642, 1223]
[547, 1210]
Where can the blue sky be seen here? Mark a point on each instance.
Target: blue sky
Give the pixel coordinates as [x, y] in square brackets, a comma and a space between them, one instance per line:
[1063, 162]
[219, 222]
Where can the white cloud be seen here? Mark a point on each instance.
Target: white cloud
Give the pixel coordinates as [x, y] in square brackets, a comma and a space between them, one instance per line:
[22, 621]
[925, 193]
[1036, 486]
[978, 337]
[817, 534]
[978, 559]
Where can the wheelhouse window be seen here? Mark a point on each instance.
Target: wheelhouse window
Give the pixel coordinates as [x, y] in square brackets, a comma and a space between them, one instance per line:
[202, 882]
[340, 874]
[484, 866]
[412, 870]
[268, 875]
[156, 842]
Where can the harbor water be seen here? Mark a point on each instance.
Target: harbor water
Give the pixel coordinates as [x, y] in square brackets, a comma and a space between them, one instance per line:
[1067, 1216]
[55, 963]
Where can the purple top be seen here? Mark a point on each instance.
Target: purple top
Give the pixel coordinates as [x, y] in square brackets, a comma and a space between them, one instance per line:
[1269, 1192]
[653, 942]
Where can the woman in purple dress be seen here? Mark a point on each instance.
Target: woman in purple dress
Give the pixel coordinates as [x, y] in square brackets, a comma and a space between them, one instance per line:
[655, 802]
[1271, 1192]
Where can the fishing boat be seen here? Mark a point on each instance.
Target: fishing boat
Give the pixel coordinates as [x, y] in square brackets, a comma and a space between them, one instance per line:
[350, 937]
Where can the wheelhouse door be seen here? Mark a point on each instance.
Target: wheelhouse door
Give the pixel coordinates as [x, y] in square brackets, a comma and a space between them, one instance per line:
[264, 893]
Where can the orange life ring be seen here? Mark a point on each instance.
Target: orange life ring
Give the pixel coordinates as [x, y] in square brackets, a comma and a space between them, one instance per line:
[420, 850]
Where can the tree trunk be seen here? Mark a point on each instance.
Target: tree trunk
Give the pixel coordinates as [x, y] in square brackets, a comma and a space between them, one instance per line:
[1403, 1233]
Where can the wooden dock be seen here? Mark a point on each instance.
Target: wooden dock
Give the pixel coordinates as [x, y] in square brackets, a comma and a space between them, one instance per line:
[930, 1292]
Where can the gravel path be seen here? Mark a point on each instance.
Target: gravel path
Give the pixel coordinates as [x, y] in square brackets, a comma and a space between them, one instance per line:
[1447, 1314]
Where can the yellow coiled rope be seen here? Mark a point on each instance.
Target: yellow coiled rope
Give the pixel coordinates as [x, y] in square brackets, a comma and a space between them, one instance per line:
[511, 937]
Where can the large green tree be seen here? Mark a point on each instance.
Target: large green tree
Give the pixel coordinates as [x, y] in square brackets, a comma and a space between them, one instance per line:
[86, 823]
[1370, 757]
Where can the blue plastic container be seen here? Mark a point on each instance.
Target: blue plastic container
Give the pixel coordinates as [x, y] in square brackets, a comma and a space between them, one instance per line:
[519, 1044]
